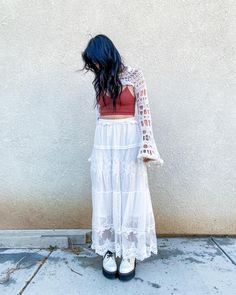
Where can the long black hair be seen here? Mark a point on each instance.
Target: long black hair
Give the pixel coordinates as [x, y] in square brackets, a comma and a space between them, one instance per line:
[103, 59]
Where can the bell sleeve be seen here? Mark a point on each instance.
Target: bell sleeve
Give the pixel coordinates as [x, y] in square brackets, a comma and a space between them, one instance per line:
[148, 148]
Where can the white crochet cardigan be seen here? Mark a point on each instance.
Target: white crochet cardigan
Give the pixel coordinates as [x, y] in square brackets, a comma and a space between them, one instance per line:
[148, 149]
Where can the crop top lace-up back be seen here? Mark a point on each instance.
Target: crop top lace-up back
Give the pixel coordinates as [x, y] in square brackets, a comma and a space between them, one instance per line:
[137, 105]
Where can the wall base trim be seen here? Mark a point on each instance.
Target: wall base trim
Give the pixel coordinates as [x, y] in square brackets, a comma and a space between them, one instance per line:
[44, 238]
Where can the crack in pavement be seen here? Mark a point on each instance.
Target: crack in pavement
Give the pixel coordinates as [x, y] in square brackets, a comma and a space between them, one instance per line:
[34, 274]
[222, 250]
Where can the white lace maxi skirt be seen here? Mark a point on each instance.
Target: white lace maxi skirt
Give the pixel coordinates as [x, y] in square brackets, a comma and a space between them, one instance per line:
[122, 214]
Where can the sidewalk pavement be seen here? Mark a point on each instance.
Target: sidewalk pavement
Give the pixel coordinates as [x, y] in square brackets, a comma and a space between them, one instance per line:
[183, 265]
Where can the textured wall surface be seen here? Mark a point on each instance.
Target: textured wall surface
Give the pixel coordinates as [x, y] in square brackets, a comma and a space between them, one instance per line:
[186, 50]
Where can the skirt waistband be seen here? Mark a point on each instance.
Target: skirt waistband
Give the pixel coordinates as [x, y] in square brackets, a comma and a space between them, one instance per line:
[117, 120]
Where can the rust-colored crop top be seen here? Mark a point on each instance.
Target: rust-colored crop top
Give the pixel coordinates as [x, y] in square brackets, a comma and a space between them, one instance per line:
[124, 106]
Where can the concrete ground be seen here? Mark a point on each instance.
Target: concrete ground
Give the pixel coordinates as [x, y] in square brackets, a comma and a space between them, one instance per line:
[184, 265]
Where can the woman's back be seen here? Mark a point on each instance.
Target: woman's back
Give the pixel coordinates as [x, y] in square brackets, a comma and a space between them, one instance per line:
[124, 106]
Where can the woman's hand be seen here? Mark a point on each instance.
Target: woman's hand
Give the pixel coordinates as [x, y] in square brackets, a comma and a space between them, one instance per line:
[145, 160]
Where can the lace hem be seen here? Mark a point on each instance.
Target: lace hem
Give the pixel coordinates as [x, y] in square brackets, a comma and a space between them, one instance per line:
[126, 243]
[128, 253]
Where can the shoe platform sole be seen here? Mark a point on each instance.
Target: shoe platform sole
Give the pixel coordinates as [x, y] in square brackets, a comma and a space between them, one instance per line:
[127, 276]
[109, 274]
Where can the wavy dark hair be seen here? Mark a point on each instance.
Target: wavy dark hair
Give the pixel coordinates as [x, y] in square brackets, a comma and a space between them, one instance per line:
[103, 59]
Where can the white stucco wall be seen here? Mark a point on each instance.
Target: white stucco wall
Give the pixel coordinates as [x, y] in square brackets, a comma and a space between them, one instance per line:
[186, 50]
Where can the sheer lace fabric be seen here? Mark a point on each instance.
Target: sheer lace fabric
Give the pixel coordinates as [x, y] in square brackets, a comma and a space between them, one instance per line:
[148, 148]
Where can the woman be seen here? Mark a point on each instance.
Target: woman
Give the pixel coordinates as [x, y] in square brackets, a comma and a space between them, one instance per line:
[123, 222]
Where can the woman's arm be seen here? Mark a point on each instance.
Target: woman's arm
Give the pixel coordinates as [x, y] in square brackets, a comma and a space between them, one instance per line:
[148, 148]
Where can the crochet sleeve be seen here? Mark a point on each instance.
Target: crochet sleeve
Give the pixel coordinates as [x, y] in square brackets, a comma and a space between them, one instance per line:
[148, 148]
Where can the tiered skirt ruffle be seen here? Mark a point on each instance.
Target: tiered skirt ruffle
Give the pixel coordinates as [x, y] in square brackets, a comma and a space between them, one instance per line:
[122, 212]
